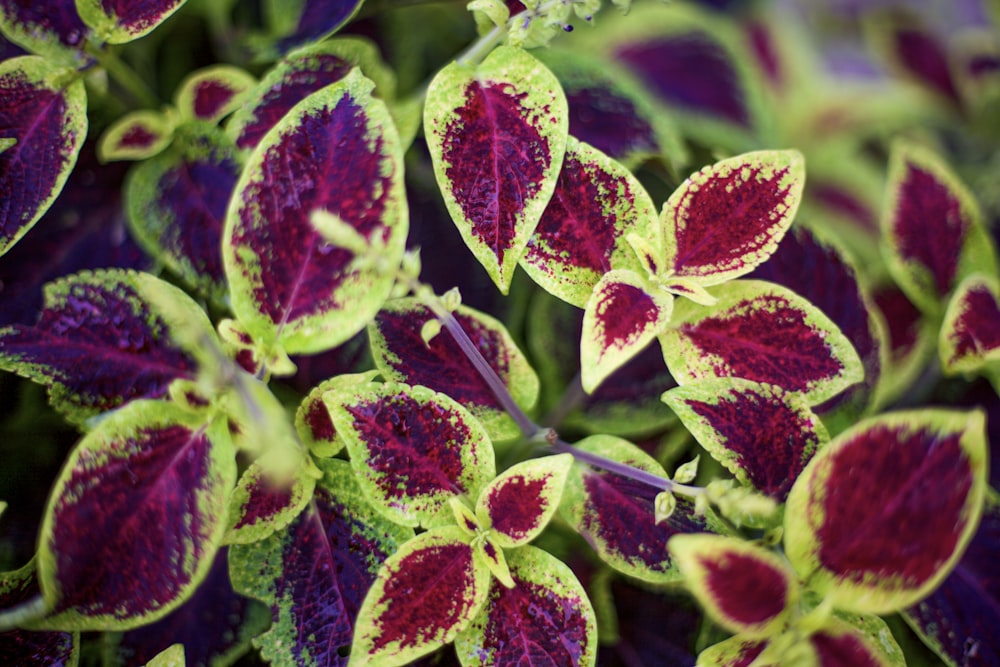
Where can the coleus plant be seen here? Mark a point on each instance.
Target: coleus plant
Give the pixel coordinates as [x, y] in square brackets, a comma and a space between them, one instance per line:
[244, 486]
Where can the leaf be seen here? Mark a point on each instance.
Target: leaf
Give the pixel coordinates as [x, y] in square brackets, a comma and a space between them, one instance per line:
[881, 515]
[840, 645]
[623, 315]
[176, 205]
[914, 51]
[728, 218]
[496, 135]
[736, 651]
[932, 228]
[959, 619]
[582, 233]
[969, 336]
[617, 516]
[44, 108]
[761, 332]
[103, 339]
[121, 21]
[52, 29]
[162, 483]
[315, 573]
[766, 451]
[172, 656]
[211, 93]
[337, 151]
[544, 619]
[413, 449]
[261, 504]
[27, 648]
[425, 594]
[312, 419]
[137, 135]
[518, 504]
[304, 22]
[744, 588]
[300, 73]
[401, 353]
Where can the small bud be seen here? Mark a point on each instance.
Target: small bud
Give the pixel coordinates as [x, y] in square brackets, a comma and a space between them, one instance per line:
[451, 299]
[664, 506]
[430, 329]
[687, 472]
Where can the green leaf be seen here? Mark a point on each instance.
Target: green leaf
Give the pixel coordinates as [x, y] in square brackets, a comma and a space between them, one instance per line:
[211, 93]
[172, 656]
[119, 21]
[511, 109]
[262, 503]
[970, 335]
[312, 418]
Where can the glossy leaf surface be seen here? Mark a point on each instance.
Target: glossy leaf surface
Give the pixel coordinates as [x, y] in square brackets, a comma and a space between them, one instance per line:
[497, 135]
[43, 108]
[337, 151]
[147, 465]
[424, 595]
[315, 573]
[413, 449]
[882, 514]
[519, 503]
[102, 340]
[53, 29]
[29, 648]
[970, 335]
[544, 619]
[761, 332]
[401, 353]
[120, 21]
[767, 450]
[211, 93]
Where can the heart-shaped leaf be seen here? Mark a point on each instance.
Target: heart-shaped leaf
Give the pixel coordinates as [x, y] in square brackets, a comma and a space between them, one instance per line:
[545, 618]
[43, 108]
[297, 75]
[211, 93]
[27, 648]
[261, 504]
[518, 504]
[616, 515]
[424, 595]
[315, 573]
[305, 22]
[120, 21]
[104, 338]
[932, 228]
[137, 135]
[52, 29]
[412, 448]
[512, 109]
[761, 332]
[743, 587]
[336, 151]
[582, 233]
[970, 335]
[401, 353]
[728, 218]
[881, 515]
[767, 450]
[162, 482]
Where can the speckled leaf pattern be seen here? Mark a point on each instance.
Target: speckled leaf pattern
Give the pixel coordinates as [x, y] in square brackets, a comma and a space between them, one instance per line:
[881, 515]
[518, 504]
[544, 619]
[932, 228]
[162, 482]
[728, 218]
[176, 204]
[761, 332]
[401, 353]
[211, 93]
[412, 448]
[497, 135]
[582, 233]
[315, 573]
[52, 29]
[297, 75]
[336, 151]
[305, 22]
[424, 595]
[616, 515]
[43, 107]
[102, 340]
[261, 504]
[970, 335]
[312, 418]
[745, 588]
[623, 316]
[120, 21]
[27, 648]
[767, 450]
[137, 135]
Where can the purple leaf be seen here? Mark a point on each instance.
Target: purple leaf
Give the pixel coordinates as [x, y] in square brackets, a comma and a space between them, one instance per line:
[48, 123]
[970, 335]
[881, 515]
[120, 21]
[768, 451]
[261, 503]
[52, 29]
[840, 645]
[401, 353]
[28, 648]
[101, 341]
[137, 135]
[315, 573]
[922, 56]
[142, 497]
[544, 619]
[312, 419]
[413, 449]
[336, 152]
[761, 332]
[211, 93]
[510, 108]
[960, 618]
[518, 504]
[316, 19]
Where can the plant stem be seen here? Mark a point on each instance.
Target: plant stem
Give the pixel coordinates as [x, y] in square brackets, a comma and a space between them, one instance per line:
[125, 76]
[482, 46]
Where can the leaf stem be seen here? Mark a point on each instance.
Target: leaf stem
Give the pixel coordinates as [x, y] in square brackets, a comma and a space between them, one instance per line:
[125, 76]
[482, 46]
